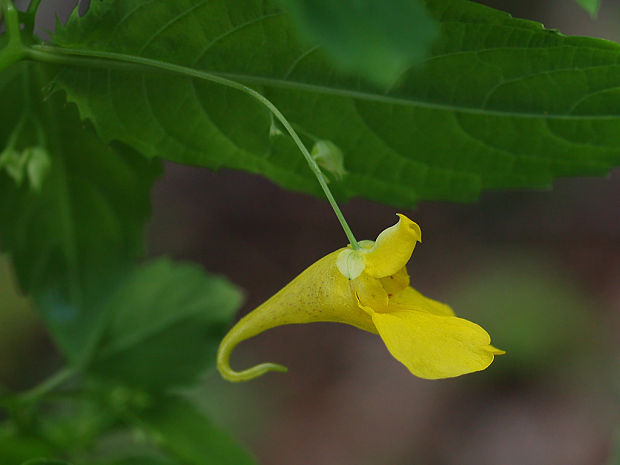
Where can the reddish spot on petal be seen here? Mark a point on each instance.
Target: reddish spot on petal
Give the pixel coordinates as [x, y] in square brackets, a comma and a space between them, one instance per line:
[389, 295]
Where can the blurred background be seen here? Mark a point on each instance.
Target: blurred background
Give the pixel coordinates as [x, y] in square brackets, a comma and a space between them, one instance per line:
[539, 270]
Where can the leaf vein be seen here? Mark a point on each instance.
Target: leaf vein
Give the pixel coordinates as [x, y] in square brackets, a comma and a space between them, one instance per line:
[170, 23]
[126, 17]
[299, 59]
[236, 28]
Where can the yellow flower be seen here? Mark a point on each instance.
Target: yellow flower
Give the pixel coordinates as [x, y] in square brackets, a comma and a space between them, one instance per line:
[369, 288]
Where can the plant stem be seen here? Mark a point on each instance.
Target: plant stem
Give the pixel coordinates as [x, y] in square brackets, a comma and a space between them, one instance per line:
[14, 51]
[47, 385]
[13, 401]
[11, 18]
[30, 16]
[101, 59]
[33, 7]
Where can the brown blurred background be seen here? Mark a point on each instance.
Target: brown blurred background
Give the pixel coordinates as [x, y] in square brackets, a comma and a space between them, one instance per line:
[539, 270]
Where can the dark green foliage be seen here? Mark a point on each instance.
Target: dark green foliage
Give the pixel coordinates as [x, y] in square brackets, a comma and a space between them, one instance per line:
[16, 449]
[141, 461]
[496, 102]
[186, 433]
[89, 213]
[164, 323]
[45, 462]
[501, 103]
[70, 236]
[369, 37]
[72, 213]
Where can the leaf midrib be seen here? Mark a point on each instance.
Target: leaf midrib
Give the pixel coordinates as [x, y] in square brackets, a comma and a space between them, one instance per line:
[412, 102]
[284, 83]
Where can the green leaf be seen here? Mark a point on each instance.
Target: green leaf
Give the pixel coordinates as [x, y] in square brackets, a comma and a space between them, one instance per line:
[180, 428]
[165, 322]
[140, 460]
[541, 319]
[377, 40]
[43, 461]
[591, 6]
[501, 103]
[79, 218]
[15, 449]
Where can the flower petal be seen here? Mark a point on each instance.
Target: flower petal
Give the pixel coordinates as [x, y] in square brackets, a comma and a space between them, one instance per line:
[432, 346]
[496, 351]
[319, 293]
[396, 282]
[410, 299]
[371, 297]
[393, 248]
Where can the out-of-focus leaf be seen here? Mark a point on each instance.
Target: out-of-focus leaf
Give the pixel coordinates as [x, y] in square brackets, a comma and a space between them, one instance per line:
[500, 103]
[591, 6]
[79, 219]
[75, 423]
[532, 312]
[16, 449]
[141, 461]
[180, 428]
[165, 322]
[20, 330]
[43, 461]
[375, 39]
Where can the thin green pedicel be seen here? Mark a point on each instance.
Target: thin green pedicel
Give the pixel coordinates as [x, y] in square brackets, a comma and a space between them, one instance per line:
[101, 59]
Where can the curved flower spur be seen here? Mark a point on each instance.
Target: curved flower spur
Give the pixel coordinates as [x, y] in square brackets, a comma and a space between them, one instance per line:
[369, 288]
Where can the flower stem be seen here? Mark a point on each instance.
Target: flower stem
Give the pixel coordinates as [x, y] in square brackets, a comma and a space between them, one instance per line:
[102, 59]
